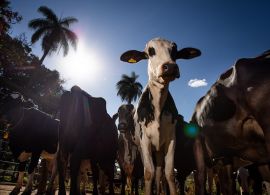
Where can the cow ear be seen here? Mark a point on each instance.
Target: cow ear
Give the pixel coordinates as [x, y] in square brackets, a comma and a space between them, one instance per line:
[133, 56]
[188, 53]
[115, 116]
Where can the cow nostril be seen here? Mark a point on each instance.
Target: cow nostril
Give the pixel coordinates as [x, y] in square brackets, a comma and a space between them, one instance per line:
[165, 67]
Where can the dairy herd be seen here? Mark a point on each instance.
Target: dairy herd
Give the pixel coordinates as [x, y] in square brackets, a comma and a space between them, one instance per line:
[228, 132]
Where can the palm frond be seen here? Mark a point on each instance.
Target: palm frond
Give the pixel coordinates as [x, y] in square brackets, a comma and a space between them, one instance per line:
[71, 37]
[38, 34]
[67, 21]
[39, 23]
[48, 13]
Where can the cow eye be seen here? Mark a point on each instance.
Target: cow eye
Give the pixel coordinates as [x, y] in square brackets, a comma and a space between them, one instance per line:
[151, 51]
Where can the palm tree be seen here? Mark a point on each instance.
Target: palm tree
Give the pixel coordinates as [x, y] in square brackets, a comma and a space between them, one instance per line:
[128, 88]
[54, 31]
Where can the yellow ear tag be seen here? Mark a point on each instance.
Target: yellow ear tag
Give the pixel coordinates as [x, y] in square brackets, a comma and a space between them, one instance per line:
[5, 136]
[131, 60]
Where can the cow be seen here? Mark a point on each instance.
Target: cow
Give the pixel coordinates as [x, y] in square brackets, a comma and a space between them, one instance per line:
[234, 114]
[32, 134]
[155, 114]
[129, 157]
[86, 132]
[184, 134]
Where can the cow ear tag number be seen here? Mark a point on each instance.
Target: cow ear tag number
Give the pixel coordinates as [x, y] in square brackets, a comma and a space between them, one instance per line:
[131, 60]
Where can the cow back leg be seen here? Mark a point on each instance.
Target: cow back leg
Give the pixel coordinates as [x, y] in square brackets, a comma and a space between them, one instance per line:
[62, 159]
[95, 177]
[43, 176]
[169, 167]
[17, 188]
[51, 185]
[29, 185]
[75, 162]
[199, 175]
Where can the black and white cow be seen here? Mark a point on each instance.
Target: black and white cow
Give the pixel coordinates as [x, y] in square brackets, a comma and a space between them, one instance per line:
[86, 132]
[155, 115]
[234, 115]
[32, 134]
[128, 156]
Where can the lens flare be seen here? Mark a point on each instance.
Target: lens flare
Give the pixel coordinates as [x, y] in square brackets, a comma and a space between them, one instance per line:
[191, 130]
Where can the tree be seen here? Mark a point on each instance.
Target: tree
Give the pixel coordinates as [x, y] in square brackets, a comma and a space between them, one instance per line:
[54, 31]
[19, 72]
[7, 17]
[128, 89]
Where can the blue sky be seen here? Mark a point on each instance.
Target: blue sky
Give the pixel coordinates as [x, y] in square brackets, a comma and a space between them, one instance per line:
[224, 31]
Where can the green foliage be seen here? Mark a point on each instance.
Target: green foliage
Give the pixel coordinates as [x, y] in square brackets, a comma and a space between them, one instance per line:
[128, 89]
[20, 71]
[7, 17]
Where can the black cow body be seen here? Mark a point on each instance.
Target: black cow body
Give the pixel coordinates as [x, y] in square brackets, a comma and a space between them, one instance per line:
[234, 115]
[183, 149]
[32, 133]
[86, 132]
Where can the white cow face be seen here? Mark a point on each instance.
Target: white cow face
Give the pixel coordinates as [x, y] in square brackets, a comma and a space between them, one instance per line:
[162, 55]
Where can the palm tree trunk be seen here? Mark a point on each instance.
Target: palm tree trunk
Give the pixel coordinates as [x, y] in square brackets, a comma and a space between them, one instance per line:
[43, 57]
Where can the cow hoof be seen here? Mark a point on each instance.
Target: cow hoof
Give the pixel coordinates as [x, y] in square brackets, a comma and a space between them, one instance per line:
[15, 191]
[27, 192]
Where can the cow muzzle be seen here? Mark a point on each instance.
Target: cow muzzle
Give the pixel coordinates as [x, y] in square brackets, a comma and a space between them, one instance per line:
[169, 72]
[122, 127]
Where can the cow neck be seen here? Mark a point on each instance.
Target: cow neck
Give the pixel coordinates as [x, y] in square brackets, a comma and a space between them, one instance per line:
[159, 94]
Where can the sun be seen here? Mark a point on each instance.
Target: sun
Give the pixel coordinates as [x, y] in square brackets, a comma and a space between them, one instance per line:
[81, 66]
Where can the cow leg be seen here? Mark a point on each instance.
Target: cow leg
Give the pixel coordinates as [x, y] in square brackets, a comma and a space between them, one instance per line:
[200, 164]
[75, 163]
[51, 188]
[62, 159]
[95, 177]
[159, 165]
[149, 169]
[17, 188]
[123, 182]
[44, 175]
[135, 184]
[169, 167]
[33, 164]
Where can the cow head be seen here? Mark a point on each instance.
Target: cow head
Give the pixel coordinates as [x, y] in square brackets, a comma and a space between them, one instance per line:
[11, 102]
[127, 149]
[125, 115]
[162, 55]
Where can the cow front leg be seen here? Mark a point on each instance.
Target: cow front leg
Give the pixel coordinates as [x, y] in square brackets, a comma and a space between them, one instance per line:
[33, 164]
[169, 167]
[17, 188]
[149, 169]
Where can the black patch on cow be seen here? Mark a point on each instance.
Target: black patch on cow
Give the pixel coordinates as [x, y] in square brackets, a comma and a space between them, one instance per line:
[221, 107]
[140, 131]
[151, 51]
[145, 108]
[170, 107]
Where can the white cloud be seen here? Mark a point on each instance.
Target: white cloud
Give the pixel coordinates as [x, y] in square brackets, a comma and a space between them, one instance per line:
[197, 83]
